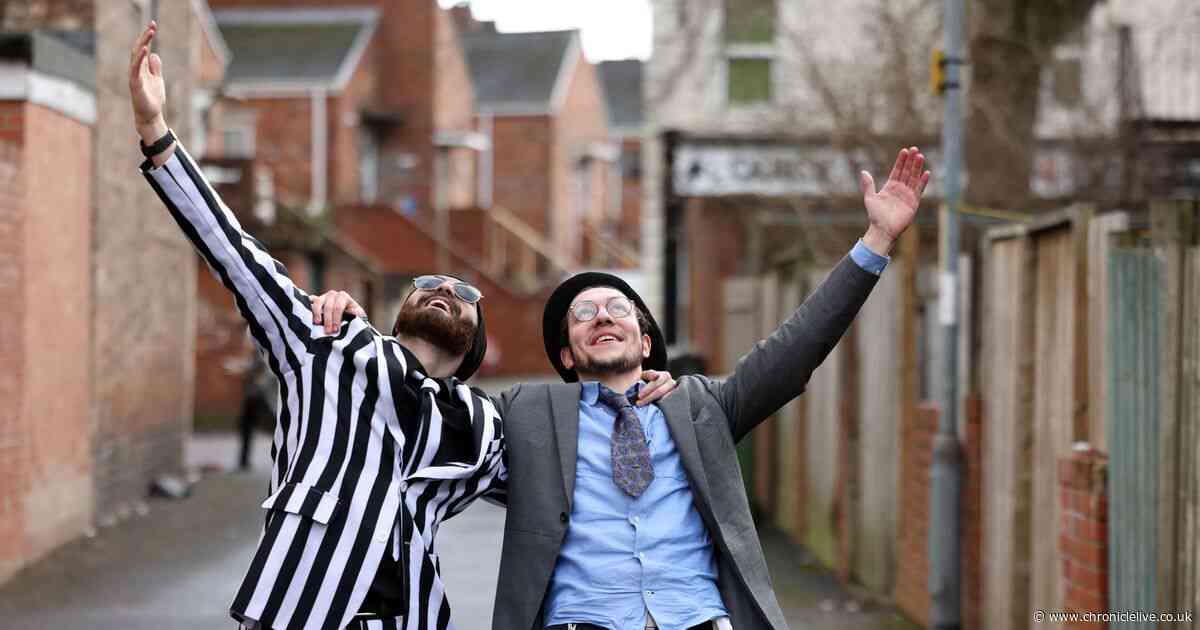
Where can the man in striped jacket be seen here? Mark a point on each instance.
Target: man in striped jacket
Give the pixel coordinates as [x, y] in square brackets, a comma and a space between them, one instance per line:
[377, 440]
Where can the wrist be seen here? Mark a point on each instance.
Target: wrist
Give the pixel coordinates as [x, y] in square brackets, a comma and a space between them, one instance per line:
[152, 130]
[878, 241]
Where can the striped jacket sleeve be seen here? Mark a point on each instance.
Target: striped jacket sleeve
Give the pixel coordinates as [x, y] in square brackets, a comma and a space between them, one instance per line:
[277, 312]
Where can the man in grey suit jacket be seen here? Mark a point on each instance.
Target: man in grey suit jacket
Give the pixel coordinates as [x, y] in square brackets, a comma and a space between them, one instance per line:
[624, 518]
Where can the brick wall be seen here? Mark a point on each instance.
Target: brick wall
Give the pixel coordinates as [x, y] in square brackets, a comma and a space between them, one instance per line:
[916, 452]
[54, 14]
[346, 128]
[581, 122]
[1083, 541]
[14, 449]
[630, 231]
[513, 320]
[714, 236]
[521, 167]
[144, 274]
[45, 436]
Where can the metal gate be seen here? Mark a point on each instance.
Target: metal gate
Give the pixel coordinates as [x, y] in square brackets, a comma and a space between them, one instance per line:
[1135, 307]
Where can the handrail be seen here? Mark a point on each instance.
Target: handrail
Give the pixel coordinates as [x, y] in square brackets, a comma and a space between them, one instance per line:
[525, 233]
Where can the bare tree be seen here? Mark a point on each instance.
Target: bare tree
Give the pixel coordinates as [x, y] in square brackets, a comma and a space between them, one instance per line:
[1010, 44]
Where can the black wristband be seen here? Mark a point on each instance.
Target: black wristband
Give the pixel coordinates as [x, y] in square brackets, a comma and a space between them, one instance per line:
[159, 145]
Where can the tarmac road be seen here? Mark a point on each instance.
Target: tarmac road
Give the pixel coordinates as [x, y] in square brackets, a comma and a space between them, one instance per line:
[177, 566]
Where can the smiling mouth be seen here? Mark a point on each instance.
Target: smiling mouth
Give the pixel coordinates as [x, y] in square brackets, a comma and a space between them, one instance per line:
[439, 304]
[606, 339]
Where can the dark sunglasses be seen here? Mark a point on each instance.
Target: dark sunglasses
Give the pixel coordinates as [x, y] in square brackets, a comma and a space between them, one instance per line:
[462, 290]
[587, 310]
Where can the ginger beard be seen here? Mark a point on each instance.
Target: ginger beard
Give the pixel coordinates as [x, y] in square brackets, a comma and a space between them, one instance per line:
[452, 332]
[625, 362]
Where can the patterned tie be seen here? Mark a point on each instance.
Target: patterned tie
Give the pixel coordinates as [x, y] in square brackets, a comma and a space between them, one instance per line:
[632, 471]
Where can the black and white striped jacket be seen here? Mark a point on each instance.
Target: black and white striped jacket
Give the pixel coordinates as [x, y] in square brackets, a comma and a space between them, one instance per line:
[360, 443]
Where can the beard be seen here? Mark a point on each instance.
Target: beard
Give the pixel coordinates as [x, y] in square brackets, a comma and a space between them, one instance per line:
[626, 362]
[449, 332]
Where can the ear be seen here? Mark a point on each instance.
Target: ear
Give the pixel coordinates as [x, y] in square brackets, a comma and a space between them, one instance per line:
[568, 359]
[645, 346]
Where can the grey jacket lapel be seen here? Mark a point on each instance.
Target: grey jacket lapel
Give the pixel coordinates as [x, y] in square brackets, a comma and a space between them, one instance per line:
[677, 410]
[564, 407]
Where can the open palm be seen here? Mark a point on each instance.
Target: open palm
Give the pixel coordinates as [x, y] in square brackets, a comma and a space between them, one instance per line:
[894, 207]
[147, 92]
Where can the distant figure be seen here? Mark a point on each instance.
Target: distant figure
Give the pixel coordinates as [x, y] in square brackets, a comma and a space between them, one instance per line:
[260, 400]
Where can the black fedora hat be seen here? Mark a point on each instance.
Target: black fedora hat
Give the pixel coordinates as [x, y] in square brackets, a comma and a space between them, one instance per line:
[560, 300]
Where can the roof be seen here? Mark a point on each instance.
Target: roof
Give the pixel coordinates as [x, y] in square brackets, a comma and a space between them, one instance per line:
[282, 50]
[65, 54]
[622, 81]
[520, 72]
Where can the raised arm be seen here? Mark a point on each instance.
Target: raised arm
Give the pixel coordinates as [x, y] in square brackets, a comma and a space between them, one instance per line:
[777, 369]
[277, 312]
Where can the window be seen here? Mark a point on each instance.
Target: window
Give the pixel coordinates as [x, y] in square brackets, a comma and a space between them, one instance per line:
[749, 21]
[1068, 80]
[631, 164]
[237, 129]
[750, 50]
[749, 81]
[368, 167]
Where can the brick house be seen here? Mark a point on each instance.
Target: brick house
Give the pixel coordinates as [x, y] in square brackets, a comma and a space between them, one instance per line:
[274, 152]
[101, 401]
[553, 163]
[387, 188]
[622, 82]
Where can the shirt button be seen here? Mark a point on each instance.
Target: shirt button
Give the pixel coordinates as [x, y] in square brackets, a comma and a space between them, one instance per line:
[403, 487]
[642, 557]
[381, 538]
[562, 517]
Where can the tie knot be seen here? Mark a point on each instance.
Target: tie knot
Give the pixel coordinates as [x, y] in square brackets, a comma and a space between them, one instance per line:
[614, 400]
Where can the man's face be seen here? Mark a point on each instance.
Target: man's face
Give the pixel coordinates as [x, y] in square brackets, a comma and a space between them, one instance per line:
[605, 344]
[440, 317]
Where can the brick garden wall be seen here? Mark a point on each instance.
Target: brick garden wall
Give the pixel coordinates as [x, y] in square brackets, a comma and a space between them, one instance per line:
[144, 274]
[1083, 542]
[46, 494]
[912, 591]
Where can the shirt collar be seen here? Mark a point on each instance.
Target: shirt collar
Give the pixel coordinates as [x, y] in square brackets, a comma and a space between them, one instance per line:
[591, 392]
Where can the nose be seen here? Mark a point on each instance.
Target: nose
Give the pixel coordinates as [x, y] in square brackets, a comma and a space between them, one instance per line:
[602, 315]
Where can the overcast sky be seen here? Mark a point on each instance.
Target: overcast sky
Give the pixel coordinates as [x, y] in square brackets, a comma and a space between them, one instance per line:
[612, 29]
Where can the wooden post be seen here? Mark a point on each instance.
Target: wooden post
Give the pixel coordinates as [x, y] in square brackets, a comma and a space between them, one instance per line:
[1168, 225]
[1079, 234]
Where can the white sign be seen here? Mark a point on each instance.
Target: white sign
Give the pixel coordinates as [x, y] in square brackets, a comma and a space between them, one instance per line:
[724, 169]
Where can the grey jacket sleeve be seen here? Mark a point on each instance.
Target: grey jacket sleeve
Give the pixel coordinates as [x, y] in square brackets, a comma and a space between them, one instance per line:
[777, 369]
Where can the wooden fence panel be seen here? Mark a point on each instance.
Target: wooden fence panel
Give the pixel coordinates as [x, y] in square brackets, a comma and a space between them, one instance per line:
[1099, 234]
[1133, 427]
[1006, 320]
[1054, 400]
[821, 461]
[1186, 585]
[878, 393]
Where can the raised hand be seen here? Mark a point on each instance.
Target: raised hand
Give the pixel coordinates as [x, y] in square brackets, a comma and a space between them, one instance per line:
[894, 207]
[147, 92]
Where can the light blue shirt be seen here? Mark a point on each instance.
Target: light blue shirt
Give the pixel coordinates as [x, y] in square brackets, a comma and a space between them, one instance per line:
[623, 555]
[868, 260]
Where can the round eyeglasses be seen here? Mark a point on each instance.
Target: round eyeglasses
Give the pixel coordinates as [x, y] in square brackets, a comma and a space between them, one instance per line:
[586, 310]
[462, 290]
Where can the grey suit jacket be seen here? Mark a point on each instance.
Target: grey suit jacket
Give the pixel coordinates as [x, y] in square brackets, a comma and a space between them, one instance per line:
[706, 418]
